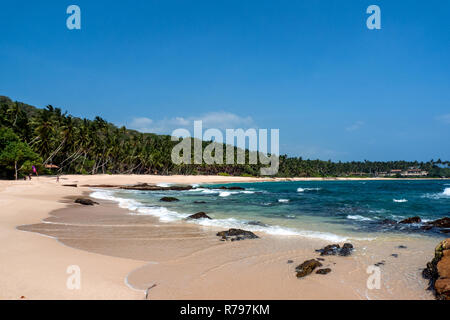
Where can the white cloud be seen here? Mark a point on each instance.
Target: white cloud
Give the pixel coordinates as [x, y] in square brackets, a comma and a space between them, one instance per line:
[356, 126]
[221, 120]
[445, 118]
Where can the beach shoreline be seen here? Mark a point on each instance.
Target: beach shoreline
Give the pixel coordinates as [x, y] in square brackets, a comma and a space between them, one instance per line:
[112, 269]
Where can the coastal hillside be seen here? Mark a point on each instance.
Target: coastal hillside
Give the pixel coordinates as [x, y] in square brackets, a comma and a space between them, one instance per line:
[53, 141]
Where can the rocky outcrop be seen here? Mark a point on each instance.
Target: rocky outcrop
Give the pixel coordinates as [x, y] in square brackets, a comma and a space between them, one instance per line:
[151, 187]
[168, 199]
[307, 267]
[442, 224]
[411, 220]
[198, 215]
[236, 235]
[86, 202]
[438, 271]
[335, 249]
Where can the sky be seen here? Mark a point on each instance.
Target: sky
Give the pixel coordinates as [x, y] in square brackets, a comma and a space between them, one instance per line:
[312, 69]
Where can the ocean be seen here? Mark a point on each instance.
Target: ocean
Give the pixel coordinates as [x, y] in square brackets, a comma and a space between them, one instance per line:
[330, 210]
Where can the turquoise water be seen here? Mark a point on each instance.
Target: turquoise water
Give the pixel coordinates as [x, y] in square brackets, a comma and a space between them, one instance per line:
[332, 210]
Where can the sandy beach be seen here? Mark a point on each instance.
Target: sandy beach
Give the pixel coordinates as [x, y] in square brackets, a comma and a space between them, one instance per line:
[121, 256]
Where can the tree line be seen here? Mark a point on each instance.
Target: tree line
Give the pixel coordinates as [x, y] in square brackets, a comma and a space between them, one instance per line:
[31, 136]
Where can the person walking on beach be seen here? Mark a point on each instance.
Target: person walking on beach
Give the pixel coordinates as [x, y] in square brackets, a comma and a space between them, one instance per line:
[29, 176]
[57, 179]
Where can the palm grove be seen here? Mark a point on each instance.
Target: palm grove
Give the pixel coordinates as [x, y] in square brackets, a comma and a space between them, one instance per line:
[31, 136]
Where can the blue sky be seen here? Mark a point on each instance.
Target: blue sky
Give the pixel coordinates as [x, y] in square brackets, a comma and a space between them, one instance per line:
[335, 89]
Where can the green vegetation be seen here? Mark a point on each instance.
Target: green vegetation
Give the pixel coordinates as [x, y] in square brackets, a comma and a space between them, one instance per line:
[224, 174]
[31, 136]
[16, 156]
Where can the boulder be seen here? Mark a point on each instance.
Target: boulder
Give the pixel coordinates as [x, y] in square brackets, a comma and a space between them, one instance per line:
[236, 234]
[198, 215]
[443, 223]
[86, 202]
[168, 199]
[323, 271]
[346, 249]
[307, 267]
[438, 271]
[331, 249]
[411, 220]
[335, 249]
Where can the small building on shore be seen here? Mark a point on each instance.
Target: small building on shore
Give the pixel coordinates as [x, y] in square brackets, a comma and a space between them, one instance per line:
[411, 172]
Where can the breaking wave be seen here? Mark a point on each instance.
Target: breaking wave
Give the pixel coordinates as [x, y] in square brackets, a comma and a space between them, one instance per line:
[307, 189]
[167, 215]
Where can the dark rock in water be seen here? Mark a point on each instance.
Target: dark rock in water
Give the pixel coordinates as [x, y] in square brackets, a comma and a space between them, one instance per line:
[346, 249]
[334, 249]
[290, 261]
[307, 267]
[440, 223]
[198, 215]
[86, 202]
[331, 249]
[323, 271]
[236, 234]
[388, 221]
[199, 201]
[70, 185]
[257, 223]
[168, 199]
[231, 188]
[438, 271]
[402, 247]
[411, 220]
[395, 255]
[151, 187]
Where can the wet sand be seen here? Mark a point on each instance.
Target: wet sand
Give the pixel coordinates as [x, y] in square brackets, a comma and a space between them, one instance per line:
[187, 261]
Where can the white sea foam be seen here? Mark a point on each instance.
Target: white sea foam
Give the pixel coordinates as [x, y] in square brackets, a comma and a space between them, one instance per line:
[283, 200]
[400, 200]
[123, 203]
[307, 189]
[273, 230]
[164, 214]
[358, 217]
[446, 192]
[443, 194]
[164, 185]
